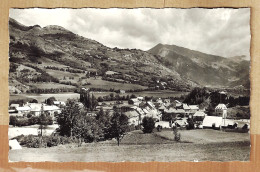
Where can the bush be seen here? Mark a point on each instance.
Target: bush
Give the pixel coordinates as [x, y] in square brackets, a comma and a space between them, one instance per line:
[22, 122]
[33, 120]
[148, 124]
[190, 125]
[32, 141]
[13, 120]
[29, 141]
[177, 135]
[28, 120]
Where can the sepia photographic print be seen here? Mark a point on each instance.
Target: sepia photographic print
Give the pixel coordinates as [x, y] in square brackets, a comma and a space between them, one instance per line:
[138, 85]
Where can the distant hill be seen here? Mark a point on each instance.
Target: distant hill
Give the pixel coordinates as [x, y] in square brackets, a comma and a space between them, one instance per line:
[204, 69]
[55, 54]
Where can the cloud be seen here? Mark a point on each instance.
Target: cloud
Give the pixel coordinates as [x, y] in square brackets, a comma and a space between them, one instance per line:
[221, 31]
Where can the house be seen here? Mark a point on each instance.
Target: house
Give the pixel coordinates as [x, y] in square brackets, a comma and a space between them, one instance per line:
[199, 116]
[59, 103]
[176, 104]
[133, 117]
[212, 122]
[171, 113]
[159, 100]
[122, 91]
[186, 108]
[13, 106]
[216, 122]
[140, 98]
[167, 101]
[151, 105]
[134, 101]
[37, 108]
[194, 108]
[162, 108]
[14, 90]
[126, 108]
[140, 112]
[110, 73]
[23, 109]
[51, 110]
[221, 110]
[155, 114]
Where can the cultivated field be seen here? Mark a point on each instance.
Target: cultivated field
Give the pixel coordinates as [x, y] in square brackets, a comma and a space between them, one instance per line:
[137, 146]
[50, 85]
[99, 83]
[161, 93]
[65, 96]
[43, 97]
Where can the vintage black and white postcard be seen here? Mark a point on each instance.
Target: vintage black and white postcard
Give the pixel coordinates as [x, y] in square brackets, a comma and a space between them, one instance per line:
[139, 85]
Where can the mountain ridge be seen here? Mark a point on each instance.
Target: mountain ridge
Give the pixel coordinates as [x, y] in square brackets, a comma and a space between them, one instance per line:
[31, 45]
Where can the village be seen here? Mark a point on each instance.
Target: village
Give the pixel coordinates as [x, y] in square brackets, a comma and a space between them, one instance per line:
[165, 112]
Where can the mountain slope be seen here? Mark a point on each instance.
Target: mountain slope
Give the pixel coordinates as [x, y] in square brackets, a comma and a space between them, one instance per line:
[55, 54]
[42, 49]
[204, 69]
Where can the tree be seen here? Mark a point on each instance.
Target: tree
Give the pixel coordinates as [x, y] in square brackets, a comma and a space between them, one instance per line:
[119, 126]
[104, 121]
[13, 120]
[67, 118]
[89, 102]
[75, 123]
[190, 124]
[44, 120]
[50, 101]
[94, 102]
[148, 124]
[34, 101]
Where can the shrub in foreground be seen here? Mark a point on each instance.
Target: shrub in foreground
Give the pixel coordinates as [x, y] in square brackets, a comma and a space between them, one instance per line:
[33, 141]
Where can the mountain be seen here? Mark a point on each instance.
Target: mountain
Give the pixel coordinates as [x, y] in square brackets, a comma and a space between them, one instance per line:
[204, 69]
[60, 58]
[39, 54]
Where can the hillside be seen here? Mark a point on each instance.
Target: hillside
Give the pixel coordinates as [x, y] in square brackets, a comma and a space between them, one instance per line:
[67, 61]
[204, 69]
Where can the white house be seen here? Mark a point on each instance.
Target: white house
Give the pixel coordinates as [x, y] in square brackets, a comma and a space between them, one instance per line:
[23, 109]
[194, 108]
[221, 110]
[212, 121]
[133, 117]
[200, 114]
[122, 91]
[59, 103]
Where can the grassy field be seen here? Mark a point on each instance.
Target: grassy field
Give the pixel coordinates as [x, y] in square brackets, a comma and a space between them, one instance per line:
[161, 93]
[50, 85]
[60, 96]
[136, 146]
[206, 136]
[61, 74]
[99, 83]
[42, 97]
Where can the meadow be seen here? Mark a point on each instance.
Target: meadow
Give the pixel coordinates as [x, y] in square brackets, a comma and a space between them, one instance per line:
[136, 146]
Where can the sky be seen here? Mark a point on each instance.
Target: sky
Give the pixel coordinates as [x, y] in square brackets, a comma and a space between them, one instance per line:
[221, 31]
